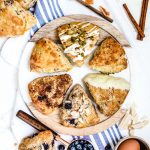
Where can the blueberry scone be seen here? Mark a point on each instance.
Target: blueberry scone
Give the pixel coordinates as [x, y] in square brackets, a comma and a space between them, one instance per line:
[48, 92]
[109, 57]
[14, 20]
[26, 4]
[42, 141]
[78, 110]
[79, 40]
[47, 57]
[108, 92]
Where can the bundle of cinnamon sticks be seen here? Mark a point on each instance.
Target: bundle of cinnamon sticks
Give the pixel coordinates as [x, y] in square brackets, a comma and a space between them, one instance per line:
[141, 26]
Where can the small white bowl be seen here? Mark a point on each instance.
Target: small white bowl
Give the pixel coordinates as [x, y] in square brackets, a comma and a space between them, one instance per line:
[133, 137]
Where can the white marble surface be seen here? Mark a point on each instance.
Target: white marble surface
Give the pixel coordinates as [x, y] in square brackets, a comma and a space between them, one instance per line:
[139, 58]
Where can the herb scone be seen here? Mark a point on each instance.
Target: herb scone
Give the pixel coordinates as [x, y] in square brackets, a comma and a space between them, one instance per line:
[78, 110]
[48, 92]
[79, 40]
[108, 92]
[42, 141]
[47, 57]
[109, 57]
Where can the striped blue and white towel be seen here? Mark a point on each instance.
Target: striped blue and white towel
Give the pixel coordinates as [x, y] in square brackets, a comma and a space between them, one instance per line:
[48, 10]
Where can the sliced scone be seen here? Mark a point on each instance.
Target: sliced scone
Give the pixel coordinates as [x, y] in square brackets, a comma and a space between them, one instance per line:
[41, 141]
[109, 57]
[108, 92]
[47, 57]
[78, 110]
[48, 92]
[14, 20]
[79, 40]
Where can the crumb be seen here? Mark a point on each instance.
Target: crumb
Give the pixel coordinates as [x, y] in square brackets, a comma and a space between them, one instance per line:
[89, 2]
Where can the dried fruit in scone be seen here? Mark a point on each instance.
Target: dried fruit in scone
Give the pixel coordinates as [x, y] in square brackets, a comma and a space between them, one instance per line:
[41, 141]
[47, 57]
[78, 110]
[109, 57]
[108, 92]
[48, 92]
[79, 40]
[26, 4]
[14, 20]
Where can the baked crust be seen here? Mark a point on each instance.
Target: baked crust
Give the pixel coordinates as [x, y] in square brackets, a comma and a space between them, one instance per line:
[26, 4]
[109, 57]
[79, 40]
[15, 20]
[48, 92]
[108, 92]
[44, 140]
[78, 110]
[47, 57]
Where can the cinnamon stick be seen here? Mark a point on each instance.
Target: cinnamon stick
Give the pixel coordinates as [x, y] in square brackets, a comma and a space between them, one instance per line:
[133, 21]
[143, 17]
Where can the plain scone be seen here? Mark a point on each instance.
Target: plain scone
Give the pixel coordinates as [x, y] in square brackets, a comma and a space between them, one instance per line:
[109, 57]
[41, 141]
[47, 93]
[47, 57]
[108, 92]
[78, 110]
[14, 19]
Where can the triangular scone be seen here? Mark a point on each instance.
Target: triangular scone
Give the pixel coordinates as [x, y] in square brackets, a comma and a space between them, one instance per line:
[78, 110]
[48, 92]
[14, 20]
[108, 92]
[47, 57]
[109, 57]
[78, 40]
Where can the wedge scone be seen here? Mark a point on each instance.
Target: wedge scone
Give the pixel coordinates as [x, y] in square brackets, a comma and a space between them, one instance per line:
[78, 110]
[47, 57]
[79, 40]
[108, 92]
[109, 57]
[14, 20]
[47, 93]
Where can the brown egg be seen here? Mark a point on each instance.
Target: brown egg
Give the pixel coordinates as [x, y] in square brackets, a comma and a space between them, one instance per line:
[130, 144]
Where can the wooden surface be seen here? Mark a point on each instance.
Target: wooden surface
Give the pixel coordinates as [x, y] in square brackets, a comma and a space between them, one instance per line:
[52, 121]
[107, 29]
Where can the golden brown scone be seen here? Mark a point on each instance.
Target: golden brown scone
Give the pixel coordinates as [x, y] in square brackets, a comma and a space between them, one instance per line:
[26, 4]
[78, 110]
[48, 92]
[108, 92]
[109, 57]
[79, 40]
[42, 141]
[14, 20]
[47, 57]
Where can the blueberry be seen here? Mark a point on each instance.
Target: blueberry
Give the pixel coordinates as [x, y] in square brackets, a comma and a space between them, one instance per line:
[81, 141]
[85, 145]
[72, 148]
[61, 147]
[79, 147]
[72, 121]
[46, 146]
[89, 145]
[108, 147]
[68, 105]
[76, 142]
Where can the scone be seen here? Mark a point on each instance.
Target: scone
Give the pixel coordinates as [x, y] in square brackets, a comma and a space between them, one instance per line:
[26, 4]
[79, 40]
[108, 92]
[48, 92]
[42, 141]
[14, 20]
[109, 57]
[78, 110]
[47, 57]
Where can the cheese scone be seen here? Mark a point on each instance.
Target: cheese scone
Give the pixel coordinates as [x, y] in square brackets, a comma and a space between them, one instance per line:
[48, 92]
[79, 40]
[47, 57]
[14, 20]
[26, 4]
[78, 110]
[109, 57]
[108, 92]
[41, 141]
